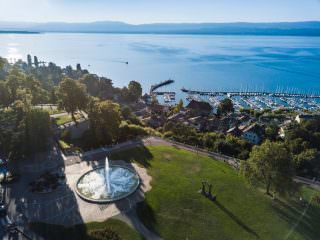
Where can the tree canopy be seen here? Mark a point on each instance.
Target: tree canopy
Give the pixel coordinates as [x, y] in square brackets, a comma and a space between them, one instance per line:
[72, 96]
[4, 95]
[225, 106]
[134, 91]
[271, 164]
[105, 120]
[37, 130]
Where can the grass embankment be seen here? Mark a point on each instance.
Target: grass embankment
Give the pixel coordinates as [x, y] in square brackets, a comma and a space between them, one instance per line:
[175, 210]
[85, 231]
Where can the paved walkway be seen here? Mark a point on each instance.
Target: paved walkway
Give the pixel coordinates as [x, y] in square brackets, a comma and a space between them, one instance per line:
[308, 182]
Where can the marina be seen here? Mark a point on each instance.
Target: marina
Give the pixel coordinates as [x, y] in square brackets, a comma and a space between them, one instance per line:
[259, 100]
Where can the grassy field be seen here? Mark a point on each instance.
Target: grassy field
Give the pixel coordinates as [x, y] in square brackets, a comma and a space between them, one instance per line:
[83, 232]
[175, 210]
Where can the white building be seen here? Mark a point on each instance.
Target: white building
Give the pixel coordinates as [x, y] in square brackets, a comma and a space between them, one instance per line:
[253, 134]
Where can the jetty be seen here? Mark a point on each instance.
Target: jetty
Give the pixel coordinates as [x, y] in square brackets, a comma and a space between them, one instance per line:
[161, 84]
[251, 94]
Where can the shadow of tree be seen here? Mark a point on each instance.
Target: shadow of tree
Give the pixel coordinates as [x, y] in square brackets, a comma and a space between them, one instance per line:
[139, 154]
[236, 219]
[57, 207]
[292, 213]
[146, 215]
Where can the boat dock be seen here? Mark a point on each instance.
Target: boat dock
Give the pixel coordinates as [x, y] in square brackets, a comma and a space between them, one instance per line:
[163, 93]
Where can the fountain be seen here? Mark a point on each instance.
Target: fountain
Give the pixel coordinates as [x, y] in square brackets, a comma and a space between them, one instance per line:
[107, 184]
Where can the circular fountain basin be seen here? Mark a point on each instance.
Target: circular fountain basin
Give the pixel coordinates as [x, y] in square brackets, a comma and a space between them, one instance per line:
[92, 186]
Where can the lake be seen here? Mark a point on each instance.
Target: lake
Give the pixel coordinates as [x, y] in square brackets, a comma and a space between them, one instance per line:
[202, 62]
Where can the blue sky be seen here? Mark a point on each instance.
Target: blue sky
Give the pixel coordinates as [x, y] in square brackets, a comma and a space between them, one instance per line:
[150, 11]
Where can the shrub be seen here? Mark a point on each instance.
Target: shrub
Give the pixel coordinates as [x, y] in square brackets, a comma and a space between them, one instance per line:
[104, 234]
[63, 145]
[66, 135]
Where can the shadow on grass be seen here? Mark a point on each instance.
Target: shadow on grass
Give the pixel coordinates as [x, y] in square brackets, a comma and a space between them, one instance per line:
[236, 219]
[307, 225]
[146, 215]
[139, 154]
[53, 232]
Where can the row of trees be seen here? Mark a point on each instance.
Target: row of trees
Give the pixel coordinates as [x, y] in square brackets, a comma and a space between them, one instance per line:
[102, 88]
[40, 83]
[80, 95]
[212, 141]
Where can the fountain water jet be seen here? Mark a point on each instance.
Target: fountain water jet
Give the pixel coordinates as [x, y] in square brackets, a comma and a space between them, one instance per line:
[107, 175]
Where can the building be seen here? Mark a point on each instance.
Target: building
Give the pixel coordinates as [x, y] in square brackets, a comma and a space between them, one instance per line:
[147, 98]
[283, 128]
[200, 108]
[235, 131]
[305, 117]
[253, 133]
[197, 122]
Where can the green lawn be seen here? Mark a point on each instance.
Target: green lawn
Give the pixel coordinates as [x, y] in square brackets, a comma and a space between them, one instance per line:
[63, 119]
[83, 232]
[50, 109]
[175, 210]
[66, 119]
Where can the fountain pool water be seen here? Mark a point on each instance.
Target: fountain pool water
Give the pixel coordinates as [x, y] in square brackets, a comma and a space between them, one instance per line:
[107, 184]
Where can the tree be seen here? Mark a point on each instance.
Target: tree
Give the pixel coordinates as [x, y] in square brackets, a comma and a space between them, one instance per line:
[78, 67]
[29, 60]
[36, 62]
[106, 88]
[225, 106]
[2, 62]
[37, 130]
[105, 120]
[72, 96]
[4, 95]
[134, 91]
[270, 164]
[304, 157]
[176, 109]
[98, 87]
[179, 106]
[15, 80]
[53, 96]
[126, 112]
[92, 84]
[272, 132]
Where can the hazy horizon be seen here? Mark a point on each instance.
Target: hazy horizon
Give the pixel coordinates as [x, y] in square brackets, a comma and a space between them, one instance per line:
[147, 23]
[146, 12]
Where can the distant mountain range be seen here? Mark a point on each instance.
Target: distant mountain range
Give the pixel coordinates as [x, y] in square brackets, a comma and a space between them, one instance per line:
[241, 28]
